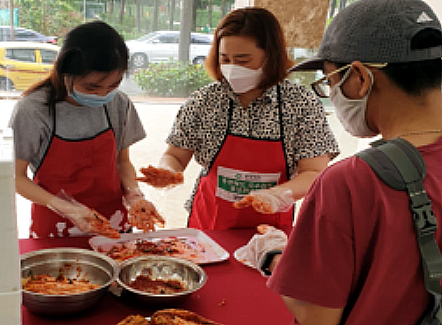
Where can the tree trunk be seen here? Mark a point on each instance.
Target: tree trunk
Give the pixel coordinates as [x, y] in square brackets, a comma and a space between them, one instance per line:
[138, 14]
[185, 28]
[122, 11]
[11, 18]
[342, 4]
[209, 18]
[43, 14]
[111, 6]
[223, 8]
[155, 15]
[332, 8]
[194, 5]
[171, 14]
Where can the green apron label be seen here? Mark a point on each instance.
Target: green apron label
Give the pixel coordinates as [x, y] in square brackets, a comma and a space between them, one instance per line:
[233, 184]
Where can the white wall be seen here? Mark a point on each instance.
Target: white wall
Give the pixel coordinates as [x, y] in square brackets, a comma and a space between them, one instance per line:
[436, 5]
[243, 3]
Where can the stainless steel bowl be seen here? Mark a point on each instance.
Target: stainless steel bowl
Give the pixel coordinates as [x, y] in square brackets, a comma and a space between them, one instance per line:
[73, 263]
[161, 268]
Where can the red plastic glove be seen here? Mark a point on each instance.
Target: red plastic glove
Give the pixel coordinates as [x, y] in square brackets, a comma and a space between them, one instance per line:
[141, 213]
[84, 218]
[268, 201]
[256, 249]
[160, 177]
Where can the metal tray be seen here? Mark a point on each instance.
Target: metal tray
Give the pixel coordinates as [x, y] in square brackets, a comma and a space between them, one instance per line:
[208, 250]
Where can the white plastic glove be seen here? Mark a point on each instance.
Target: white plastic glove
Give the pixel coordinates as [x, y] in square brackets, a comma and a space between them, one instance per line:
[256, 249]
[84, 218]
[141, 213]
[161, 177]
[268, 201]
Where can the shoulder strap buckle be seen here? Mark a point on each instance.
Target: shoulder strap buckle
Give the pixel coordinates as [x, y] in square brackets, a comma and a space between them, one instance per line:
[424, 219]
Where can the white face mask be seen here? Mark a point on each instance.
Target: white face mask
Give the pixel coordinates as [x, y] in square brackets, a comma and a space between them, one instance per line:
[351, 112]
[92, 100]
[241, 79]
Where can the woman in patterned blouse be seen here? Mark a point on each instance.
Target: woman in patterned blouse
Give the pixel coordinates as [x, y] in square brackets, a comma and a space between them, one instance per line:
[261, 139]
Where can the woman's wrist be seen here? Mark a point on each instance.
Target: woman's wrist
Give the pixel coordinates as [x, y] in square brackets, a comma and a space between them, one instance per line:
[270, 261]
[274, 262]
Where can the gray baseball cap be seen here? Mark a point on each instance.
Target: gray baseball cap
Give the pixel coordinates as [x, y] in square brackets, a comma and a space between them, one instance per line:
[376, 31]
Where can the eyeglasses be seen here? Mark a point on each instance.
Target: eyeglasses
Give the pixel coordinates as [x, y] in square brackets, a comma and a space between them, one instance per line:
[322, 86]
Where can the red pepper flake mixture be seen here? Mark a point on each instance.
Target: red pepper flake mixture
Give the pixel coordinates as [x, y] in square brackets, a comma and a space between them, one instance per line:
[60, 285]
[160, 177]
[170, 246]
[157, 286]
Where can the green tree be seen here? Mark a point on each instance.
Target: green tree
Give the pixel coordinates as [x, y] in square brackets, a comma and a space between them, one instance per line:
[132, 18]
[51, 17]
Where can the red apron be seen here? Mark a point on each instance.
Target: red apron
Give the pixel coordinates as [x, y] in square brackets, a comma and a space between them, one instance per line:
[87, 170]
[241, 165]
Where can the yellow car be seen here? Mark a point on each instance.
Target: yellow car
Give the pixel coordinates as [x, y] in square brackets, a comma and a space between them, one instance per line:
[22, 64]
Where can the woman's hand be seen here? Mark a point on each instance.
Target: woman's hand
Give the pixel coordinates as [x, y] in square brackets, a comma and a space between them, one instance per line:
[84, 218]
[268, 201]
[142, 214]
[269, 239]
[160, 177]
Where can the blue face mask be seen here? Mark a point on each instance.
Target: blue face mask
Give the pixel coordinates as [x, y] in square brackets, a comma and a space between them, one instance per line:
[92, 100]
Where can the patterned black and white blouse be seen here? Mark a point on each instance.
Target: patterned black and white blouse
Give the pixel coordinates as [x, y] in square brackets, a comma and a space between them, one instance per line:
[201, 123]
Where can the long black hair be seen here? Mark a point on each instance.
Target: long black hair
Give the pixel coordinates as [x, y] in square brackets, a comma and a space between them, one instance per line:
[92, 46]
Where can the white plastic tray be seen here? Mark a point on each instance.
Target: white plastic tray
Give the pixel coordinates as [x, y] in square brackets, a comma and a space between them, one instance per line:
[212, 251]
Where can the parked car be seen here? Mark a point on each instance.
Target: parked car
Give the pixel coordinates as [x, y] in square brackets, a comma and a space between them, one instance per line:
[24, 63]
[24, 34]
[161, 46]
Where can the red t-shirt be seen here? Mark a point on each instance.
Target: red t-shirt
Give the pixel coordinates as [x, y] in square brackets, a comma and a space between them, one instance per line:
[354, 244]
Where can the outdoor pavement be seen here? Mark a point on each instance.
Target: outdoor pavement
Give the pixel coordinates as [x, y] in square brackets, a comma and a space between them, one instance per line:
[157, 115]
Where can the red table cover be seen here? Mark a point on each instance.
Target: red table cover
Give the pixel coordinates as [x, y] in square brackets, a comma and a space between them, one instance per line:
[234, 294]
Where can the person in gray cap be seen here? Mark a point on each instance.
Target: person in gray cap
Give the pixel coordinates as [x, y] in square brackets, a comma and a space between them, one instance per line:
[352, 257]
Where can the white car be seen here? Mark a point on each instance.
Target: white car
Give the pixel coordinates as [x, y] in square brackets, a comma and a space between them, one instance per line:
[161, 46]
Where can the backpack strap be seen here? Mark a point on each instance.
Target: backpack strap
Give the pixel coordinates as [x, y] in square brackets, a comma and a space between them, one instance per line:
[400, 165]
[433, 314]
[389, 158]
